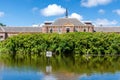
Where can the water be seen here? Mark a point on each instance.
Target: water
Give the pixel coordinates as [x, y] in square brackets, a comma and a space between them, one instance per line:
[105, 76]
[59, 71]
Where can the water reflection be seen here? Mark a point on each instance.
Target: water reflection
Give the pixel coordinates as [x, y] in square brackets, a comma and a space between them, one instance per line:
[63, 70]
[1, 67]
[49, 77]
[19, 74]
[48, 69]
[105, 76]
[48, 73]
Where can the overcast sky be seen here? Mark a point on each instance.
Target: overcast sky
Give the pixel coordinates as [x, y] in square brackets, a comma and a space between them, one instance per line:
[29, 12]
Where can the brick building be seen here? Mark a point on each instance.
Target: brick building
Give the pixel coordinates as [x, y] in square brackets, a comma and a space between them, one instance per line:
[64, 25]
[11, 31]
[61, 25]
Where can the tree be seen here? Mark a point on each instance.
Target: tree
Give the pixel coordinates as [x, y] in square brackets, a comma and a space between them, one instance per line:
[1, 24]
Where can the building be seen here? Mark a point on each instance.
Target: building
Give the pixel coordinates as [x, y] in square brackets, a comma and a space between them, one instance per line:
[11, 31]
[107, 29]
[61, 25]
[65, 25]
[2, 34]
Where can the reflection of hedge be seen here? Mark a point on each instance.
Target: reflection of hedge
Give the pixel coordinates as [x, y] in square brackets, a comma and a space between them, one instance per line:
[68, 65]
[69, 44]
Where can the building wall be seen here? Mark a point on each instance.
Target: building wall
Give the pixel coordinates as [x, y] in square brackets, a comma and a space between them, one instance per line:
[63, 29]
[44, 29]
[12, 34]
[2, 36]
[55, 29]
[5, 35]
[9, 34]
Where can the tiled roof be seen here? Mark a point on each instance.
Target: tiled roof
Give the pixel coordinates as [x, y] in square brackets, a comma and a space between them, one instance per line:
[107, 29]
[22, 29]
[1, 30]
[62, 21]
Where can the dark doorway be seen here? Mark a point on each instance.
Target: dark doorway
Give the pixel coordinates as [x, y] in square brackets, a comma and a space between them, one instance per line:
[84, 30]
[51, 30]
[67, 30]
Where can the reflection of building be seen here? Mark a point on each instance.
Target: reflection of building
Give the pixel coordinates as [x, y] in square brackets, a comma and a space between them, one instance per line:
[67, 76]
[1, 66]
[48, 69]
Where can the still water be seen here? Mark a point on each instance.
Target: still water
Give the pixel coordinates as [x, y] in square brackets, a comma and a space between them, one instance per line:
[59, 71]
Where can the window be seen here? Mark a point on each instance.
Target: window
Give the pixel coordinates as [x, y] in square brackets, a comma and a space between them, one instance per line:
[76, 29]
[59, 30]
[1, 37]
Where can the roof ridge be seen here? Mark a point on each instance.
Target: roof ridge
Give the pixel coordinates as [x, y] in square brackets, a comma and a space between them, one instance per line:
[18, 26]
[21, 27]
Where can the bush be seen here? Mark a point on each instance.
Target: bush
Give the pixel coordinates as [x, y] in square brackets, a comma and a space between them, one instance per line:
[68, 44]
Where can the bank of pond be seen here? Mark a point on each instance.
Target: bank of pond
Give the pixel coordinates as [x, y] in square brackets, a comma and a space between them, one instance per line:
[76, 45]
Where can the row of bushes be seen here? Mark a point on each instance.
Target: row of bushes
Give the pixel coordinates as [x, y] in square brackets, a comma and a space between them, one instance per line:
[69, 44]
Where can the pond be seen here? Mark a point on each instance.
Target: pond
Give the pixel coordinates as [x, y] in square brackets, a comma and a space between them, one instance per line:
[55, 70]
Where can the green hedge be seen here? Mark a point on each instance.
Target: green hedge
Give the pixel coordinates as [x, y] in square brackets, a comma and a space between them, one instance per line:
[68, 44]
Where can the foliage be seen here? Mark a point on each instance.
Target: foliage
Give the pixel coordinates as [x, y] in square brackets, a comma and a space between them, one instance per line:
[71, 45]
[1, 24]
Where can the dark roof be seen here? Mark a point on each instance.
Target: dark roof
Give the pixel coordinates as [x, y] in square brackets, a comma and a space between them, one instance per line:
[22, 29]
[107, 29]
[63, 21]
